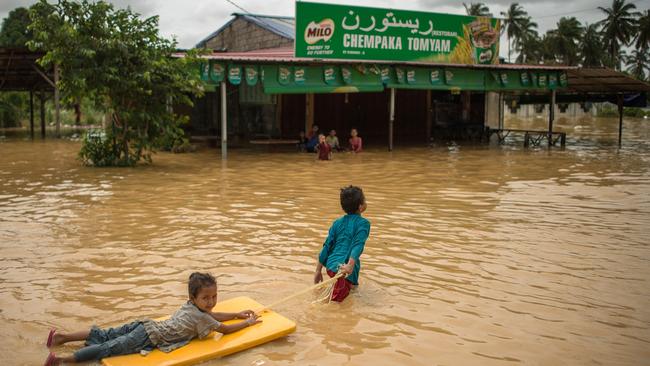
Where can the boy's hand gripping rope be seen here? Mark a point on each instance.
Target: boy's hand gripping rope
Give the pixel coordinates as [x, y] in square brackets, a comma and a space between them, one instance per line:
[318, 285]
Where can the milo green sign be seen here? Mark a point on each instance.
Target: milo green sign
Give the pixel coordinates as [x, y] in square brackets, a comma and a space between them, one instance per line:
[329, 31]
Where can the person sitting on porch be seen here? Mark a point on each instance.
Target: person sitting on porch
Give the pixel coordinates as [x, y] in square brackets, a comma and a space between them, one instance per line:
[355, 141]
[302, 142]
[333, 141]
[312, 136]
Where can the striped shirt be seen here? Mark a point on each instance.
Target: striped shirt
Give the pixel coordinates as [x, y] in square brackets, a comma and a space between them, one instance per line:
[187, 323]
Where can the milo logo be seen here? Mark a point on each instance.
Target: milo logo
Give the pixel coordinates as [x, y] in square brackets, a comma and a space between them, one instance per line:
[317, 31]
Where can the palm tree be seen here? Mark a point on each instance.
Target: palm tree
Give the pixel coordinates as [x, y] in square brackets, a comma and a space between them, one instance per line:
[638, 62]
[547, 48]
[512, 22]
[643, 36]
[528, 43]
[618, 28]
[591, 46]
[477, 9]
[565, 40]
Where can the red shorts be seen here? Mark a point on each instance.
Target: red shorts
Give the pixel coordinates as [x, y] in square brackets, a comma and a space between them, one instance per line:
[341, 288]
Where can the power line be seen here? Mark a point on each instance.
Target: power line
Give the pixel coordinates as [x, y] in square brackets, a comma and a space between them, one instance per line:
[238, 7]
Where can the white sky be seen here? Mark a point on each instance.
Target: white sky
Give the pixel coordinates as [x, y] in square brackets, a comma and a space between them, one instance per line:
[192, 20]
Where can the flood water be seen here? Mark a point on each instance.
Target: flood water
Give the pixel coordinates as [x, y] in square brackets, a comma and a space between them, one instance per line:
[478, 255]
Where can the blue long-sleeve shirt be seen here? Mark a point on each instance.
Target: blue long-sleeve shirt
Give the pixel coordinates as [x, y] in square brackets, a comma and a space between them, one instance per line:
[346, 239]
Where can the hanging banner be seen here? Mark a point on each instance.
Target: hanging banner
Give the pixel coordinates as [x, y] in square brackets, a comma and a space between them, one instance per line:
[234, 74]
[347, 74]
[563, 79]
[299, 75]
[435, 77]
[251, 75]
[541, 80]
[449, 77]
[284, 74]
[385, 74]
[410, 76]
[552, 81]
[399, 74]
[329, 75]
[205, 71]
[217, 72]
[364, 33]
[523, 77]
[503, 78]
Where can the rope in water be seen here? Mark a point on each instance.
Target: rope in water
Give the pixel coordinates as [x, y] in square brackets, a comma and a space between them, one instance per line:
[318, 285]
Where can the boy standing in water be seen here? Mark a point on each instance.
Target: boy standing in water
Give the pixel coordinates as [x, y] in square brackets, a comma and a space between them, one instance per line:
[344, 244]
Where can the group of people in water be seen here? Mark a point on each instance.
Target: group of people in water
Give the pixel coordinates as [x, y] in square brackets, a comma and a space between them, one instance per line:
[316, 142]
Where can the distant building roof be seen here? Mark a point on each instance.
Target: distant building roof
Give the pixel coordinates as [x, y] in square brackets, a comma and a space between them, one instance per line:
[282, 26]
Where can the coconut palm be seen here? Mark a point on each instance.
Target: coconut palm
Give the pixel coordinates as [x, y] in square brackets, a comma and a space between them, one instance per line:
[547, 48]
[477, 9]
[638, 62]
[528, 43]
[512, 22]
[565, 40]
[619, 26]
[591, 46]
[643, 36]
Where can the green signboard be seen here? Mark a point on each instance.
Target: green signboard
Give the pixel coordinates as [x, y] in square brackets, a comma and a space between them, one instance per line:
[362, 33]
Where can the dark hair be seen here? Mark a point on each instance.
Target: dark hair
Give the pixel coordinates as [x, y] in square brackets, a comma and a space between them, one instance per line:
[351, 198]
[198, 281]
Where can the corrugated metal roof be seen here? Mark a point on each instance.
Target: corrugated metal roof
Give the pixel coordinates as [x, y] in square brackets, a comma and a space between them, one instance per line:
[285, 55]
[603, 80]
[282, 26]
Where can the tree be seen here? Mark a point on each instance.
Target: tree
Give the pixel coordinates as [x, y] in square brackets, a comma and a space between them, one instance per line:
[527, 44]
[123, 65]
[643, 36]
[477, 9]
[638, 62]
[14, 32]
[590, 47]
[512, 24]
[565, 40]
[618, 28]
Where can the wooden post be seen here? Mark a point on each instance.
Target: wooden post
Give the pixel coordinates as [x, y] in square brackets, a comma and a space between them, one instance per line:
[620, 119]
[42, 96]
[429, 116]
[501, 111]
[465, 99]
[391, 119]
[31, 114]
[551, 117]
[57, 102]
[278, 112]
[309, 113]
[224, 123]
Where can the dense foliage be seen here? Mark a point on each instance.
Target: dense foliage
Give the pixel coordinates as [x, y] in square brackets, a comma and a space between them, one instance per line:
[121, 63]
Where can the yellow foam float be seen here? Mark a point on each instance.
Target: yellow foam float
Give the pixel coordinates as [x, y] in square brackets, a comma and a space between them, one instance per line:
[273, 326]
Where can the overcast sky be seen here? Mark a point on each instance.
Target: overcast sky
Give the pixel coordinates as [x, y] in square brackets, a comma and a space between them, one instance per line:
[192, 20]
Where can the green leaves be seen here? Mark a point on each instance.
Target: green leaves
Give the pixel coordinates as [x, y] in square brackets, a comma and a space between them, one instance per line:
[123, 65]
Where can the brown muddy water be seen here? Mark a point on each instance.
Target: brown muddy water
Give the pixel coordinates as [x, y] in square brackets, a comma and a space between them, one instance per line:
[478, 255]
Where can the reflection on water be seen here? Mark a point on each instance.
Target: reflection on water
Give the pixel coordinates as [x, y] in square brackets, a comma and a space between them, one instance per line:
[477, 254]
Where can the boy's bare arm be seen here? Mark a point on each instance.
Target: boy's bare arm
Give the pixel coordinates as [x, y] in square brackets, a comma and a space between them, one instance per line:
[318, 275]
[230, 316]
[230, 328]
